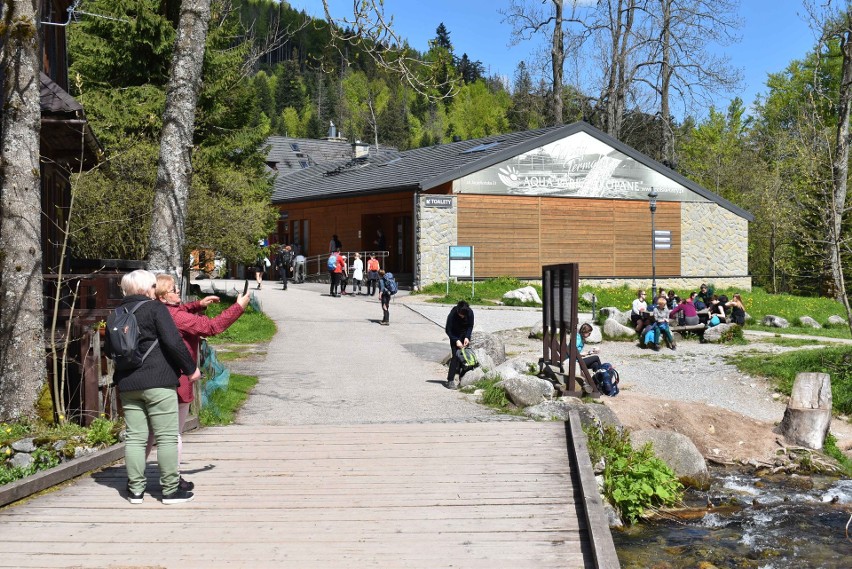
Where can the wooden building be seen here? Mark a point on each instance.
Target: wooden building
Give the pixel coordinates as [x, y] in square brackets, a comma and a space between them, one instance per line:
[522, 200]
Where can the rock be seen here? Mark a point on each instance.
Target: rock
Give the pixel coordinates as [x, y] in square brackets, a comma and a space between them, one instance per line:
[527, 390]
[715, 333]
[613, 517]
[595, 337]
[526, 294]
[24, 445]
[59, 445]
[490, 344]
[775, 321]
[592, 414]
[537, 330]
[472, 377]
[616, 314]
[676, 450]
[520, 365]
[836, 320]
[810, 322]
[486, 364]
[808, 414]
[84, 451]
[21, 460]
[589, 297]
[613, 329]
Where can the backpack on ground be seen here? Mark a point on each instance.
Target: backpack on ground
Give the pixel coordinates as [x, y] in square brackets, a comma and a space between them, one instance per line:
[122, 338]
[390, 284]
[606, 380]
[467, 360]
[332, 262]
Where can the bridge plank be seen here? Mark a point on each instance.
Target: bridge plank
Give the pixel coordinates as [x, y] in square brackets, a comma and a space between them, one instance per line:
[427, 495]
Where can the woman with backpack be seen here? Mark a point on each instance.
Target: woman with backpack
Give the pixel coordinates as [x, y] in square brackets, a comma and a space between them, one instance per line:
[148, 390]
[385, 292]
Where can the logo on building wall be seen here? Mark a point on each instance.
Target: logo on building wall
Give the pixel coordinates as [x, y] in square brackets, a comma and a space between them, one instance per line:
[444, 202]
[579, 165]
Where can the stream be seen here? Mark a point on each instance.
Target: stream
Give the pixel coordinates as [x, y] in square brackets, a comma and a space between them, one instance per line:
[761, 523]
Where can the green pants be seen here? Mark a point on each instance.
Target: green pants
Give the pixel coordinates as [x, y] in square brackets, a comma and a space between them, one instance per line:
[159, 407]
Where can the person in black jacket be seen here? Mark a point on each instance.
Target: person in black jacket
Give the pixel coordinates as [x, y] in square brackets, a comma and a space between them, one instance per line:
[459, 328]
[149, 392]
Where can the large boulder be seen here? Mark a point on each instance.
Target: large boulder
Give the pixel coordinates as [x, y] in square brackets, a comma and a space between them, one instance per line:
[808, 414]
[676, 450]
[616, 314]
[836, 320]
[520, 364]
[613, 329]
[715, 333]
[591, 414]
[595, 337]
[775, 321]
[489, 344]
[472, 377]
[809, 322]
[589, 297]
[526, 294]
[527, 390]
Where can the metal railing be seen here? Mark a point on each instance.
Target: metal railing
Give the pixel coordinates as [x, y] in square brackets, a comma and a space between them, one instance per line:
[316, 266]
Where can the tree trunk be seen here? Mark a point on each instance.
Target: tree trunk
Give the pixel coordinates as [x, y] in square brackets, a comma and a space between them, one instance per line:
[174, 167]
[22, 354]
[665, 83]
[557, 61]
[840, 171]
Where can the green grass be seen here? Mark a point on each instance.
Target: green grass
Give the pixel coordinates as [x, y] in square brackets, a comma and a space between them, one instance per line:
[224, 403]
[789, 342]
[487, 292]
[252, 327]
[225, 356]
[782, 370]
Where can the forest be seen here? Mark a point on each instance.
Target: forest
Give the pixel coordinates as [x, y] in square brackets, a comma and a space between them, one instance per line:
[269, 69]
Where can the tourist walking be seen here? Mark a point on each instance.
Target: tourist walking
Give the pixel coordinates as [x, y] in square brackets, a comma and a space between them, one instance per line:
[357, 274]
[384, 297]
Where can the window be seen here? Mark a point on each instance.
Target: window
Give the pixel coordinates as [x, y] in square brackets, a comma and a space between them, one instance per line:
[481, 147]
[303, 163]
[294, 147]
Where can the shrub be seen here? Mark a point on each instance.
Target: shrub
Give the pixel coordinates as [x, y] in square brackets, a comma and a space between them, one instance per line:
[101, 433]
[733, 335]
[634, 480]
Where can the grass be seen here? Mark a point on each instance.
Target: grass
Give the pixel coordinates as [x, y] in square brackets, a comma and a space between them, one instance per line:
[789, 342]
[782, 370]
[488, 292]
[252, 327]
[224, 403]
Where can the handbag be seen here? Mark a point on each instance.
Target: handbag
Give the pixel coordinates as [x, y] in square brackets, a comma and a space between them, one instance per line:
[714, 321]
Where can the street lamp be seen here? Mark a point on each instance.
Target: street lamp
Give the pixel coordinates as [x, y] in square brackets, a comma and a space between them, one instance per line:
[652, 203]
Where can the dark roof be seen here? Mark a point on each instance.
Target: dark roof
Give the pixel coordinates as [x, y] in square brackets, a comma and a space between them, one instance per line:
[427, 168]
[54, 99]
[63, 123]
[290, 155]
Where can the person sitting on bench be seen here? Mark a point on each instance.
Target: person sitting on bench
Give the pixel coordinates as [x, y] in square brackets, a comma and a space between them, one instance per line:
[638, 311]
[661, 326]
[590, 358]
[686, 309]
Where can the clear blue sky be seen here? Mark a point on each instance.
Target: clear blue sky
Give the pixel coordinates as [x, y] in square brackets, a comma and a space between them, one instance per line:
[773, 34]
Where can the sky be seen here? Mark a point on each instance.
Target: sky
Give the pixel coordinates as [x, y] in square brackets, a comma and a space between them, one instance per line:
[772, 35]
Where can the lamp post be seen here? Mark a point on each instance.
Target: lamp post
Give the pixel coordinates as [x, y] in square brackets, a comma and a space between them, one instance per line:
[652, 203]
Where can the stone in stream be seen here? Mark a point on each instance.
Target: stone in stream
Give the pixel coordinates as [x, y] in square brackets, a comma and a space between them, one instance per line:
[808, 414]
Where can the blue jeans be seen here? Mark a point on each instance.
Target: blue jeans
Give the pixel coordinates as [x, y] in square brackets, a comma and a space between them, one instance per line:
[159, 406]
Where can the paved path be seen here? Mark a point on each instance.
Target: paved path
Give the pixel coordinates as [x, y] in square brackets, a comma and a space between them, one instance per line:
[332, 363]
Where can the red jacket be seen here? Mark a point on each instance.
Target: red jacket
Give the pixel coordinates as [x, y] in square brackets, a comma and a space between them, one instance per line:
[193, 327]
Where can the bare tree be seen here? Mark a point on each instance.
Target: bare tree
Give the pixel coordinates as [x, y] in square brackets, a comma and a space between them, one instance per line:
[174, 169]
[678, 59]
[531, 18]
[22, 363]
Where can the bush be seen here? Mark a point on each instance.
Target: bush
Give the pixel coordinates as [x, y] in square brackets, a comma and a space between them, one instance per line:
[101, 433]
[634, 480]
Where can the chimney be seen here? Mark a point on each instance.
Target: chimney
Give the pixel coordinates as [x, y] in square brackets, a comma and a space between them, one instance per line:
[332, 130]
[456, 138]
[360, 149]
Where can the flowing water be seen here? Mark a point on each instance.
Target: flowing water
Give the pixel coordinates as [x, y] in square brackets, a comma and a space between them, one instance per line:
[786, 522]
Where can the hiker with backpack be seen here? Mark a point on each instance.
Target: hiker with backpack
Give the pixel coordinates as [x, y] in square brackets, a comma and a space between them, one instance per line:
[459, 329]
[387, 288]
[334, 270]
[284, 263]
[149, 356]
[192, 325]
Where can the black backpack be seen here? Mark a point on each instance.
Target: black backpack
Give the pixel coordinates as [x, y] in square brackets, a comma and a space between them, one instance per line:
[467, 360]
[122, 338]
[606, 380]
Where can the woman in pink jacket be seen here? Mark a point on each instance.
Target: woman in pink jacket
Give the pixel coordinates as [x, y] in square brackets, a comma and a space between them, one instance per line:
[193, 325]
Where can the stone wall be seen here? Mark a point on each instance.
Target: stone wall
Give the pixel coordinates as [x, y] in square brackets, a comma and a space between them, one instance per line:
[714, 242]
[437, 229]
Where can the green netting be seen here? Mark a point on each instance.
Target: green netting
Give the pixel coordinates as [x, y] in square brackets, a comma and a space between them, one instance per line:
[255, 303]
[216, 376]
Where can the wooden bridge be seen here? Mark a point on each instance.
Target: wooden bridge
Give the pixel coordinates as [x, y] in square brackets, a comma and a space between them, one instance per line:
[495, 494]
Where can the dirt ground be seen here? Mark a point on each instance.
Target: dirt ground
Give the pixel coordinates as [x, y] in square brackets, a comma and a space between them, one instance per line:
[721, 434]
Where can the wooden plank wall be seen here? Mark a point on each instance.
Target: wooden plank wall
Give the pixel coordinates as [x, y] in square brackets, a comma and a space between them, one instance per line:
[343, 217]
[515, 235]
